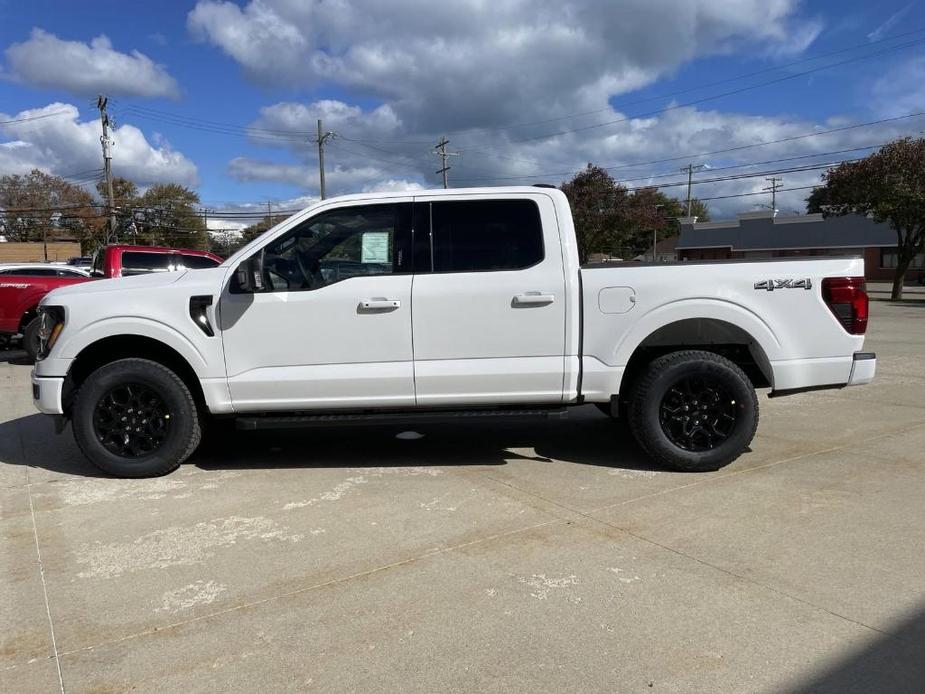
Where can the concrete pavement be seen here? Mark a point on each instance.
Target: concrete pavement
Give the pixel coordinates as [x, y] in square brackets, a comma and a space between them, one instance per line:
[482, 557]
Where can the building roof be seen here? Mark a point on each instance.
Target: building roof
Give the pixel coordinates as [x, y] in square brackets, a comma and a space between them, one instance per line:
[759, 231]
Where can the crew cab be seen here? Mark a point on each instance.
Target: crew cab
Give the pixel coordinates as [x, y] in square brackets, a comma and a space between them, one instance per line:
[446, 303]
[20, 297]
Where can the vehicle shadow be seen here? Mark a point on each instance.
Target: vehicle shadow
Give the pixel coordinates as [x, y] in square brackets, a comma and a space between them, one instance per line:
[892, 662]
[587, 437]
[15, 356]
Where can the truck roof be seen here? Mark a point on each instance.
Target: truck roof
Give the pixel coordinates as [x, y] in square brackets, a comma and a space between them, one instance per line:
[492, 191]
[158, 249]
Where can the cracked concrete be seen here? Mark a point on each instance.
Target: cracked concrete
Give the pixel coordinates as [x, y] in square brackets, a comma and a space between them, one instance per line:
[487, 556]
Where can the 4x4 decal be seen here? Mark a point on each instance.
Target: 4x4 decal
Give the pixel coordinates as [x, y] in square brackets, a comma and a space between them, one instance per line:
[771, 285]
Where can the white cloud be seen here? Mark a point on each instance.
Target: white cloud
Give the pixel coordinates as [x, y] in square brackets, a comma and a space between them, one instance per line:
[44, 60]
[470, 70]
[902, 89]
[461, 64]
[64, 144]
[884, 28]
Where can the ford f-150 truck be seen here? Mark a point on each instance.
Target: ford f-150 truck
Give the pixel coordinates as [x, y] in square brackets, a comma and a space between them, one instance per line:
[22, 286]
[448, 303]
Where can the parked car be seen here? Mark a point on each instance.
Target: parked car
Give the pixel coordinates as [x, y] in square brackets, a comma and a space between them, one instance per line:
[125, 261]
[42, 270]
[22, 286]
[85, 262]
[19, 298]
[505, 323]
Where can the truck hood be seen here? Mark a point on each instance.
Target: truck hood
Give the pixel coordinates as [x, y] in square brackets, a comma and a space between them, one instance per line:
[120, 284]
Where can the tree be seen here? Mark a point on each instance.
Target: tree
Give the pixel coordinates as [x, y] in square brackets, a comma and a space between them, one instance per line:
[650, 212]
[248, 234]
[598, 204]
[166, 215]
[125, 197]
[888, 185]
[41, 207]
[608, 218]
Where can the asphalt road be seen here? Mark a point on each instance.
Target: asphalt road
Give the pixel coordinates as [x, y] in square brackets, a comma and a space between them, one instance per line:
[484, 557]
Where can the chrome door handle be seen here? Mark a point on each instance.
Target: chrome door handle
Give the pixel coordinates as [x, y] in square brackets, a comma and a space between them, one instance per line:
[379, 304]
[533, 299]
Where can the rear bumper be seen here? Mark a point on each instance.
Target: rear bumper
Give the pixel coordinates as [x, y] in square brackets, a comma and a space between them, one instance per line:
[46, 394]
[863, 368]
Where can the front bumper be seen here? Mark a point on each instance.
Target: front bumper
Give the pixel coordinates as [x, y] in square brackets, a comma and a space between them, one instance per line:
[47, 394]
[863, 368]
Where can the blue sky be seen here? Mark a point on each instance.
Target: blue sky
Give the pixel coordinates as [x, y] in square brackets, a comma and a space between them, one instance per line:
[390, 78]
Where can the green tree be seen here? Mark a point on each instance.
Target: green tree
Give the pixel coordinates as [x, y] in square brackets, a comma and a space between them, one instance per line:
[649, 212]
[598, 205]
[609, 219]
[248, 234]
[41, 207]
[888, 185]
[166, 214]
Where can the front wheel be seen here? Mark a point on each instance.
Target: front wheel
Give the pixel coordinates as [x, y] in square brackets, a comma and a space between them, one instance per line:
[693, 411]
[135, 418]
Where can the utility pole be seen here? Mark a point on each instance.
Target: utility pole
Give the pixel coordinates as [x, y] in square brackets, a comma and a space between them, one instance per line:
[690, 169]
[101, 102]
[270, 209]
[321, 139]
[655, 231]
[776, 184]
[440, 151]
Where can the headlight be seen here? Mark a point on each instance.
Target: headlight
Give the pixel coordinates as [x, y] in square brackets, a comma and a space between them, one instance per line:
[52, 322]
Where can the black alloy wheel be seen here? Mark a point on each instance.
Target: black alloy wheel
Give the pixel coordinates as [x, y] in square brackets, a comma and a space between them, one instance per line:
[693, 410]
[135, 418]
[698, 413]
[131, 420]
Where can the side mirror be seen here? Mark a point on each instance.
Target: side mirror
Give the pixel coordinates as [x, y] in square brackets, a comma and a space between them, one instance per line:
[248, 276]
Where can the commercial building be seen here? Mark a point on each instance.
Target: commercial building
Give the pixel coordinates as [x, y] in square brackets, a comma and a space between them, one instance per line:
[762, 235]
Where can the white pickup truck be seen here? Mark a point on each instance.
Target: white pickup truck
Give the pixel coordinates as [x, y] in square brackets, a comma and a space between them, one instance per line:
[445, 303]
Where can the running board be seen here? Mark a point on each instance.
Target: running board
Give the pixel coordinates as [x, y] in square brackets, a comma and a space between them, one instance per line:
[389, 418]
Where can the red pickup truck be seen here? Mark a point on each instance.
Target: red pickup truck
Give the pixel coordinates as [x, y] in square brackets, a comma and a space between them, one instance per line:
[22, 286]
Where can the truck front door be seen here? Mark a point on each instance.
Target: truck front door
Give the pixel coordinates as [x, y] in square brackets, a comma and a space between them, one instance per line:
[331, 326]
[489, 301]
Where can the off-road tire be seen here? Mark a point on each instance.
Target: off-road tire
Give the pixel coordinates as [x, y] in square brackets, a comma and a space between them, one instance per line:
[665, 372]
[30, 338]
[183, 434]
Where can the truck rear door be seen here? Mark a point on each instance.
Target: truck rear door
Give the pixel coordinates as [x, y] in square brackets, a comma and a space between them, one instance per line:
[488, 301]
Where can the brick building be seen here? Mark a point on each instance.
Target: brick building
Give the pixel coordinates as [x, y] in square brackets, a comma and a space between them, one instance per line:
[761, 235]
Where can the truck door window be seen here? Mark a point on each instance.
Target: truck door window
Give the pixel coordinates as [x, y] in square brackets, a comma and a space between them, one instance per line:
[486, 235]
[141, 263]
[340, 244]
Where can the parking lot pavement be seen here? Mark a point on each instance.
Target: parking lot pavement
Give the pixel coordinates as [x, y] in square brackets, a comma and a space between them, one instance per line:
[483, 557]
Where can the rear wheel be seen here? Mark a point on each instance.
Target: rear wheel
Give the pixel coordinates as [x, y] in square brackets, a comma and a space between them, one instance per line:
[30, 338]
[693, 411]
[135, 418]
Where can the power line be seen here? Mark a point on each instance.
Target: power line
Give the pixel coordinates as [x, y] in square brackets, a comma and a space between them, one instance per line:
[667, 95]
[31, 118]
[740, 90]
[757, 192]
[700, 155]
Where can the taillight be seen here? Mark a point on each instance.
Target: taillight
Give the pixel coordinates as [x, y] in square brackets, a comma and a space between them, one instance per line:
[847, 299]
